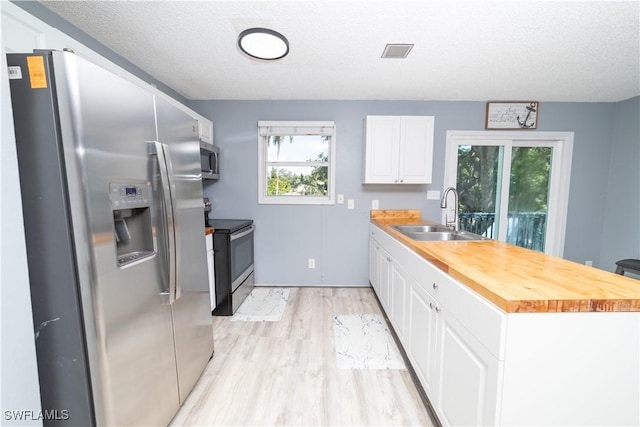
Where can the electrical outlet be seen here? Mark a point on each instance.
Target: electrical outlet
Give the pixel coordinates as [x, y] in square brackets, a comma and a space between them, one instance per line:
[340, 199]
[350, 204]
[374, 204]
[312, 263]
[433, 195]
[588, 263]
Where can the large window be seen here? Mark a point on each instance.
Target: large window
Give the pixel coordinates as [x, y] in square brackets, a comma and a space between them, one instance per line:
[512, 186]
[296, 162]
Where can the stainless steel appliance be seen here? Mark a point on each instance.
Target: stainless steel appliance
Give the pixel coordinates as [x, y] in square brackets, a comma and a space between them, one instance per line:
[112, 202]
[207, 211]
[233, 247]
[209, 160]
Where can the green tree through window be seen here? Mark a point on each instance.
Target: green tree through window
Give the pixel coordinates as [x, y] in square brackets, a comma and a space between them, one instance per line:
[296, 162]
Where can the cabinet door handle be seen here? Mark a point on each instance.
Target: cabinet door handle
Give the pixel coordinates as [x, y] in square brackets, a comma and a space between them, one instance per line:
[435, 285]
[402, 180]
[438, 309]
[431, 305]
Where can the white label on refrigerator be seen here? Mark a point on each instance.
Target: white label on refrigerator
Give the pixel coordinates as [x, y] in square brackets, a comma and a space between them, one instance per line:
[15, 72]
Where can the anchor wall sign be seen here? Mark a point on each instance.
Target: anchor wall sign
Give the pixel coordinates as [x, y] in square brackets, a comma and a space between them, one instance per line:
[512, 115]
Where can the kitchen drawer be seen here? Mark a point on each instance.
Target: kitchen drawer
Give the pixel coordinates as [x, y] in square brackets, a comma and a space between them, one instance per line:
[209, 240]
[480, 317]
[427, 275]
[484, 320]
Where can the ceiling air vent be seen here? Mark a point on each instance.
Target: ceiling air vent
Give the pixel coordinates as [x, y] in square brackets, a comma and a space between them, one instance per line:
[396, 50]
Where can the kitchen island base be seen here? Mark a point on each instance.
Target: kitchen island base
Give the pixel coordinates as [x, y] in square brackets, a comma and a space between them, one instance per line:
[480, 365]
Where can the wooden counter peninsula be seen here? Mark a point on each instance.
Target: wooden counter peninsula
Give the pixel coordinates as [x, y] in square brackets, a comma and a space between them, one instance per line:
[517, 279]
[501, 335]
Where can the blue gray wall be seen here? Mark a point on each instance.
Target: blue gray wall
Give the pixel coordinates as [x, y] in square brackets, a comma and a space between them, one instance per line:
[336, 237]
[621, 226]
[604, 158]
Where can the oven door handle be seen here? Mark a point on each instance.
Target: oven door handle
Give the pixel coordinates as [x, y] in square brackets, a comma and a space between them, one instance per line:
[244, 233]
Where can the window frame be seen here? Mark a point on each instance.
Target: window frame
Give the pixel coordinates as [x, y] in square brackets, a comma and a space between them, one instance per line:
[267, 128]
[562, 144]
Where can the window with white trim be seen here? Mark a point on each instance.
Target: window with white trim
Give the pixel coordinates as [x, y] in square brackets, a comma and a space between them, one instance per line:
[296, 162]
[512, 186]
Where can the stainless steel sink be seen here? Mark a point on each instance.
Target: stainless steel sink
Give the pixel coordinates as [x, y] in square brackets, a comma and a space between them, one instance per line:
[404, 229]
[439, 236]
[435, 233]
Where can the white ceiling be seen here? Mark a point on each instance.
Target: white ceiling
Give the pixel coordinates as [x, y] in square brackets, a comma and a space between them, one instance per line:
[464, 50]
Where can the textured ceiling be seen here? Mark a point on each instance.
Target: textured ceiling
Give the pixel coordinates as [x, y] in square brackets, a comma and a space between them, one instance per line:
[464, 50]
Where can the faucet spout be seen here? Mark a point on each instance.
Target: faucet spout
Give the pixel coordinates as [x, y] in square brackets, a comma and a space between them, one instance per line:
[443, 204]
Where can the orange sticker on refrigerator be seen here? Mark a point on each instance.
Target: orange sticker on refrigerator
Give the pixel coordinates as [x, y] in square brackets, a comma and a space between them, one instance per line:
[37, 75]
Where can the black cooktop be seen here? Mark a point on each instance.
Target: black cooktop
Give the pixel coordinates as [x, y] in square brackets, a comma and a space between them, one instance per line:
[229, 225]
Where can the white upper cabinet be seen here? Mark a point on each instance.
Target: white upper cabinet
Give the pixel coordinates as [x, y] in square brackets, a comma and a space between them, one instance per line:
[205, 130]
[398, 149]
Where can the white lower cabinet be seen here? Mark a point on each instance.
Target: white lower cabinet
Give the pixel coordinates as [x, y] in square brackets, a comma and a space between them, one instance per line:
[459, 375]
[422, 336]
[390, 283]
[374, 248]
[481, 366]
[457, 372]
[467, 390]
[398, 291]
[384, 280]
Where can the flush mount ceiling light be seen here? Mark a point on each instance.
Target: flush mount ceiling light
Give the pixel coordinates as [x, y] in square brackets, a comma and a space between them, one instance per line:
[263, 43]
[397, 51]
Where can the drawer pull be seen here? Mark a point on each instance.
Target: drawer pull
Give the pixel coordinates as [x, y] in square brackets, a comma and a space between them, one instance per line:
[438, 309]
[435, 285]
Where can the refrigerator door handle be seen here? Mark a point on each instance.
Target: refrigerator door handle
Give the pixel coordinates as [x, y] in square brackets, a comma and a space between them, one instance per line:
[168, 296]
[176, 242]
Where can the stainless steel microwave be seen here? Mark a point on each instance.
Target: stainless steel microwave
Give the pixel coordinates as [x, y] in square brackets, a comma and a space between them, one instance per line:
[209, 161]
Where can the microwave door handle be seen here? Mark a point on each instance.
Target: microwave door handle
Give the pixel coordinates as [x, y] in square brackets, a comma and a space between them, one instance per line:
[215, 165]
[177, 281]
[155, 149]
[244, 233]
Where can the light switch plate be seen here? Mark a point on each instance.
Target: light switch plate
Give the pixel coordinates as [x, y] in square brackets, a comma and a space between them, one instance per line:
[433, 195]
[340, 199]
[350, 204]
[374, 204]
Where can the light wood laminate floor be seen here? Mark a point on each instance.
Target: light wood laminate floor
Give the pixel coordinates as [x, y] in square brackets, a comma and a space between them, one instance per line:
[284, 373]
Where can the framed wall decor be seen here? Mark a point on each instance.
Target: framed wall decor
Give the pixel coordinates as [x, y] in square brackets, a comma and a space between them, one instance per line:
[512, 115]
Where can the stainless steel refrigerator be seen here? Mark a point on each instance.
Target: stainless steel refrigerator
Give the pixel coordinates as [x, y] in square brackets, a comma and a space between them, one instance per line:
[112, 201]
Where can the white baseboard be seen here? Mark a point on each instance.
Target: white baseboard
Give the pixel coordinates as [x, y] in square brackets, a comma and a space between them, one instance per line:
[324, 285]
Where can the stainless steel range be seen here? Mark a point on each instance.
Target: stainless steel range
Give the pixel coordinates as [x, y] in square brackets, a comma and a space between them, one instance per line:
[233, 246]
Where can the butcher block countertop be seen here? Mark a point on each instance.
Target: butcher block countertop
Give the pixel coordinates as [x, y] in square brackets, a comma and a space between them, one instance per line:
[518, 280]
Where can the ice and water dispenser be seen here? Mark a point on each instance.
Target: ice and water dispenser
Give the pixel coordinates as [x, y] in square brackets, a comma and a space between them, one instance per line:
[131, 206]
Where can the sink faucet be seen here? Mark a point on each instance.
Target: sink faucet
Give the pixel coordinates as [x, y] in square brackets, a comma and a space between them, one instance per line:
[443, 204]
